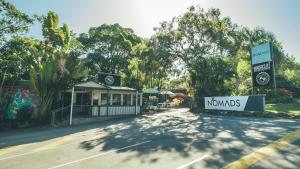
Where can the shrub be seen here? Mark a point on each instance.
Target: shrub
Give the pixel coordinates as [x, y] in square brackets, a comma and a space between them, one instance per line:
[283, 96]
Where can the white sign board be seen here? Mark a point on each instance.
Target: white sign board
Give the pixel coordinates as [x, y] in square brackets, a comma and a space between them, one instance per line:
[235, 103]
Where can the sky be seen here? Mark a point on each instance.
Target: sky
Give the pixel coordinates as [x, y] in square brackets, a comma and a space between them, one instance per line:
[282, 17]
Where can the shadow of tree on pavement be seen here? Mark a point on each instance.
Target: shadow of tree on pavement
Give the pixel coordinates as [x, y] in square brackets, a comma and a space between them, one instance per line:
[225, 138]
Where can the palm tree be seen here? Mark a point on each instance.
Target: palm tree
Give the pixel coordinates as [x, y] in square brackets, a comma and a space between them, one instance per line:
[52, 74]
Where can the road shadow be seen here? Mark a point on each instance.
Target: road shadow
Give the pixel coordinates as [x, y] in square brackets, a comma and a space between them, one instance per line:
[225, 138]
[39, 134]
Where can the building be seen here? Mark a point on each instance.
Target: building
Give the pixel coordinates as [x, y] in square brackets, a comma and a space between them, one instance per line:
[92, 99]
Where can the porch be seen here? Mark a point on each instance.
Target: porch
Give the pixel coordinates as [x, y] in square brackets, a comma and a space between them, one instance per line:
[91, 99]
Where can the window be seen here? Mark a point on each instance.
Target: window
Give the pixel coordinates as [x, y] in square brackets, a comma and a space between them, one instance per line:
[116, 100]
[134, 98]
[104, 99]
[127, 99]
[138, 100]
[95, 102]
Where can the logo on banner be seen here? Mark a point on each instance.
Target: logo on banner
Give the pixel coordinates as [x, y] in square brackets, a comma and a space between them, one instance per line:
[263, 74]
[263, 78]
[109, 79]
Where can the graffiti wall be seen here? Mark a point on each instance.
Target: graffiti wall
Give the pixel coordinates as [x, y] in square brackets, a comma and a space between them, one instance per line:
[23, 105]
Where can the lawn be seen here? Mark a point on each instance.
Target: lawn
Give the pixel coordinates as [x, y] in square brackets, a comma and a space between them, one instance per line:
[290, 108]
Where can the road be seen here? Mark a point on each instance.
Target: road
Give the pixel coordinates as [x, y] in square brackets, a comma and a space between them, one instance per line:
[175, 139]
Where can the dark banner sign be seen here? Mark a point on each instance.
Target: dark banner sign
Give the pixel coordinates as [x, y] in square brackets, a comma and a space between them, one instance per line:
[262, 65]
[236, 103]
[263, 74]
[109, 79]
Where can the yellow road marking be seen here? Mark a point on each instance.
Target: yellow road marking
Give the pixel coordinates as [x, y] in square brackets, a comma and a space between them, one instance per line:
[12, 149]
[45, 147]
[54, 144]
[264, 152]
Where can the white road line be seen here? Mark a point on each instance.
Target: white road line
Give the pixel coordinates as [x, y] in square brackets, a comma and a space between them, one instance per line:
[13, 156]
[192, 162]
[97, 155]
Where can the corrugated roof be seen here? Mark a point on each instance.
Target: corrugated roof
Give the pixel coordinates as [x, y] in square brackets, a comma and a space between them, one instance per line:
[121, 88]
[95, 85]
[151, 91]
[91, 84]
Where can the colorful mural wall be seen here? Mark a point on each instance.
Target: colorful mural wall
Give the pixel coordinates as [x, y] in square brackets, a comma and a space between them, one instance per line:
[23, 104]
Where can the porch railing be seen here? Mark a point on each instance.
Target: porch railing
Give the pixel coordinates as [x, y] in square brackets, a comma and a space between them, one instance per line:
[89, 111]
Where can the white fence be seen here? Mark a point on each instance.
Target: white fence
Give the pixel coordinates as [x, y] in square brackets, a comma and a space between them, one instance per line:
[79, 110]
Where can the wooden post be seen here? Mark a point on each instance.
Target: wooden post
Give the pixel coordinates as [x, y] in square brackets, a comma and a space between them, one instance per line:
[141, 99]
[122, 99]
[71, 111]
[136, 101]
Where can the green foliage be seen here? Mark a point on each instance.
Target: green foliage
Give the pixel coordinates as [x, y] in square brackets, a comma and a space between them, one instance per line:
[209, 79]
[292, 108]
[198, 50]
[201, 40]
[241, 82]
[59, 66]
[18, 55]
[216, 52]
[12, 21]
[44, 83]
[55, 37]
[108, 48]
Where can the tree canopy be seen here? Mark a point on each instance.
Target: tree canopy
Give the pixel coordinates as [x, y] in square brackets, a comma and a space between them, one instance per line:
[200, 50]
[12, 20]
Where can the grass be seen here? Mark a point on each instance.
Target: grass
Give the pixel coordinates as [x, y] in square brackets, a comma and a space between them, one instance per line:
[290, 108]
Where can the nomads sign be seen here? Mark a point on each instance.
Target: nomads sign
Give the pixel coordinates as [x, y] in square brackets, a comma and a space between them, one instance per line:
[236, 103]
[262, 65]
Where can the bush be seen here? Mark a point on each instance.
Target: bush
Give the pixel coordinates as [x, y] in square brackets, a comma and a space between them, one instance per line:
[283, 96]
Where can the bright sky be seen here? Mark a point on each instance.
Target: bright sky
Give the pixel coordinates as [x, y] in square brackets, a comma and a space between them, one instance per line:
[281, 17]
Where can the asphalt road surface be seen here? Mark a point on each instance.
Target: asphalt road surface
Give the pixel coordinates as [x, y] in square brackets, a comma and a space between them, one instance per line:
[176, 139]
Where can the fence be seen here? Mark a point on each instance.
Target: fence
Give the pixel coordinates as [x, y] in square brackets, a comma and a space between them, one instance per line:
[88, 111]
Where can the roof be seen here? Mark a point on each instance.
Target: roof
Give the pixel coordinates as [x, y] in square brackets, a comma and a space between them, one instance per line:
[121, 88]
[94, 85]
[91, 84]
[151, 91]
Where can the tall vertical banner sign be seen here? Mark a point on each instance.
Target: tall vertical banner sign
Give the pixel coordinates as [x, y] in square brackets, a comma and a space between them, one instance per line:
[262, 65]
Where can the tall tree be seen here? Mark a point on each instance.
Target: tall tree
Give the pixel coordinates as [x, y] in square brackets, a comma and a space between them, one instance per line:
[58, 65]
[18, 55]
[108, 48]
[12, 20]
[204, 40]
[201, 39]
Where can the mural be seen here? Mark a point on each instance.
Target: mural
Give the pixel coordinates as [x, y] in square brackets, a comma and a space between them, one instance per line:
[22, 105]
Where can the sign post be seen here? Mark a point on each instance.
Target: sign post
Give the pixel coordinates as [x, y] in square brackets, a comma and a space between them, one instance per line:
[263, 70]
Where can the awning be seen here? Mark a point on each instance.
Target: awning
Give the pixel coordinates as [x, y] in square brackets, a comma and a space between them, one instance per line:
[98, 86]
[90, 84]
[151, 91]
